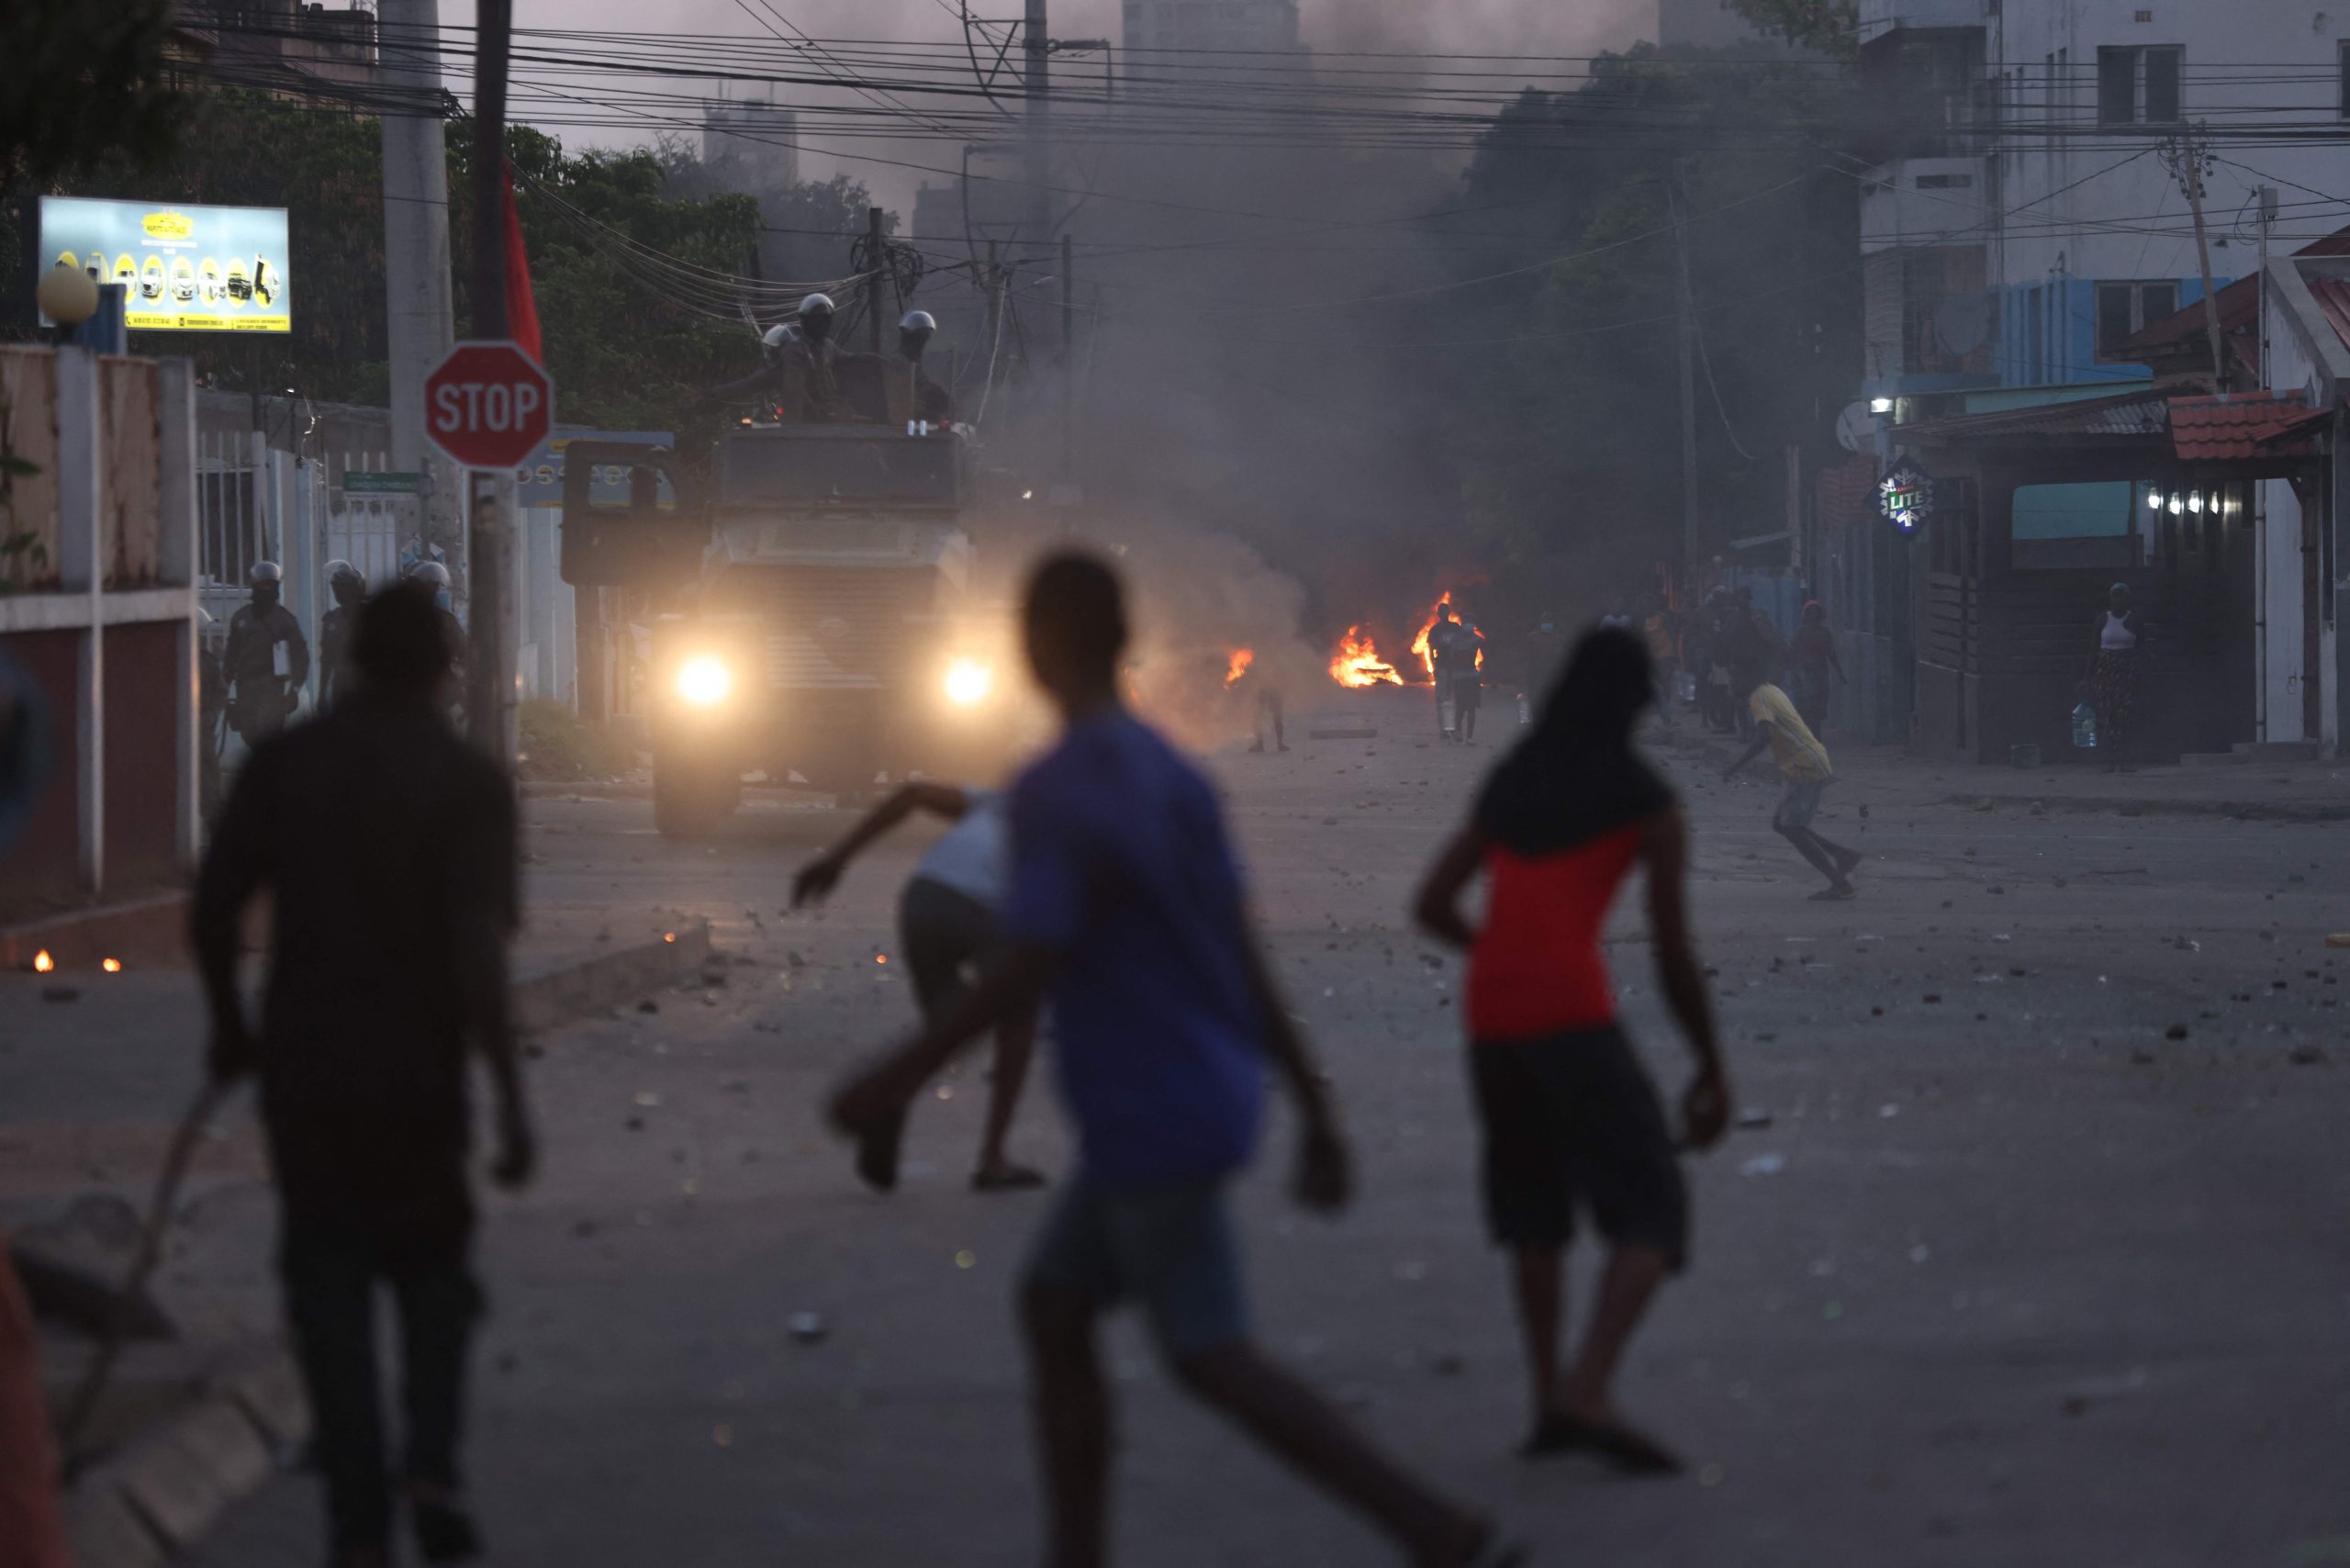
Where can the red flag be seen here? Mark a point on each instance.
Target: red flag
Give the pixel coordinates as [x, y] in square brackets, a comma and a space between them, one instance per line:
[521, 309]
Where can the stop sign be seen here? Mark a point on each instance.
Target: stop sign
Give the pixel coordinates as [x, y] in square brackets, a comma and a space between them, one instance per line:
[488, 405]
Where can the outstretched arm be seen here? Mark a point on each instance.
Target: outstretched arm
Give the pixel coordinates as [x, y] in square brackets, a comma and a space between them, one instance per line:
[1755, 748]
[1706, 1105]
[1437, 907]
[820, 875]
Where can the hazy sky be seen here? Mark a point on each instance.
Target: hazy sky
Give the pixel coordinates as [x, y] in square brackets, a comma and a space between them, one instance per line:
[1479, 26]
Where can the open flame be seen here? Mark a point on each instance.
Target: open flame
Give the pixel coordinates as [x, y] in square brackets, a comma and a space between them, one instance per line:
[42, 962]
[1356, 663]
[1427, 655]
[1241, 660]
[1420, 649]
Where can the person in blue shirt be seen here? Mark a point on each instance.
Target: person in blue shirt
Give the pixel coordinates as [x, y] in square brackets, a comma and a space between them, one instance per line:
[948, 926]
[1126, 909]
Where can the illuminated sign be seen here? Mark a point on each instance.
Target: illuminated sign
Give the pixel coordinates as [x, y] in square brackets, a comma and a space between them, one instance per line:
[183, 268]
[1906, 497]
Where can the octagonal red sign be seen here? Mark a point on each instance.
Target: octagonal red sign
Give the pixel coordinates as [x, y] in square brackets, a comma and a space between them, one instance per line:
[488, 405]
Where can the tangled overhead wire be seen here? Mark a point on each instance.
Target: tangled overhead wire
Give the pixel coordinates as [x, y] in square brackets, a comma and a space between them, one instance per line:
[901, 264]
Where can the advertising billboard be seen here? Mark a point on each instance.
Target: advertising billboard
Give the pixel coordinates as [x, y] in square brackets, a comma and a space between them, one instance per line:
[185, 268]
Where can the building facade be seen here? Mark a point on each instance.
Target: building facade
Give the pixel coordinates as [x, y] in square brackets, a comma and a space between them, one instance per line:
[754, 135]
[2025, 211]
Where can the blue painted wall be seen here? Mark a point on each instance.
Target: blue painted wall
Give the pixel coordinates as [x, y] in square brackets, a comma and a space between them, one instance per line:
[2048, 334]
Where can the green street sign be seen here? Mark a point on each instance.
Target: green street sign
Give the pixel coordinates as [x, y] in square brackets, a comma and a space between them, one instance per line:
[359, 482]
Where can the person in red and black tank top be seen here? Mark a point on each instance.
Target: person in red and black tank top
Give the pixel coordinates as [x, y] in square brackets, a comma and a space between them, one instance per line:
[1570, 1120]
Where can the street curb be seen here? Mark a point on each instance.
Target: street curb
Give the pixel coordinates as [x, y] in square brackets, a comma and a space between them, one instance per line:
[609, 978]
[169, 1485]
[79, 938]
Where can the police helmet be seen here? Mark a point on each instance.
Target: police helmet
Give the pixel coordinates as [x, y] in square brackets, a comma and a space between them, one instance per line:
[917, 321]
[815, 304]
[430, 572]
[772, 339]
[344, 572]
[264, 572]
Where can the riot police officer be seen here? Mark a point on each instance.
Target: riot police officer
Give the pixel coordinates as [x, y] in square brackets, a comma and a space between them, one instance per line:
[349, 588]
[797, 375]
[267, 659]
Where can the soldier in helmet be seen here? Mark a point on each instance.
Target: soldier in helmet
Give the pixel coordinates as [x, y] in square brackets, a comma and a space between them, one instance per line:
[349, 588]
[798, 375]
[913, 395]
[435, 577]
[267, 659]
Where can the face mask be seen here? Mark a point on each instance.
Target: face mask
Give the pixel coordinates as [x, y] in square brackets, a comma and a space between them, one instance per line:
[265, 594]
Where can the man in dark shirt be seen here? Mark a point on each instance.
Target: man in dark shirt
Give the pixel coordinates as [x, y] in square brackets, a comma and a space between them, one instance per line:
[267, 659]
[388, 960]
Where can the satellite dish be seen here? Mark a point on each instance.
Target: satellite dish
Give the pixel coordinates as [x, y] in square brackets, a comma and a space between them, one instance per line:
[1856, 428]
[1963, 323]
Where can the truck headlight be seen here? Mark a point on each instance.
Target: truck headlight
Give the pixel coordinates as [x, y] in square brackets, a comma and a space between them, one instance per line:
[968, 682]
[704, 681]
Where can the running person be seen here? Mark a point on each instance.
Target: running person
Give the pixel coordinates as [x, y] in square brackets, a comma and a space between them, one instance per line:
[1126, 902]
[1805, 763]
[1570, 1119]
[947, 924]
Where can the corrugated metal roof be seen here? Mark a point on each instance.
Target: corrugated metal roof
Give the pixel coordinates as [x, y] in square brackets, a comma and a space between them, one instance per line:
[2241, 428]
[2140, 415]
[2333, 294]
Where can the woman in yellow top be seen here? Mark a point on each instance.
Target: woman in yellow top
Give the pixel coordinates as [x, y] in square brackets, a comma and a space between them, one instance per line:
[1805, 763]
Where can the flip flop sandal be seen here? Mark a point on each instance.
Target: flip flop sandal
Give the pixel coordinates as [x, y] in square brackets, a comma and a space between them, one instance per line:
[1621, 1446]
[1010, 1179]
[1833, 895]
[877, 1151]
[1553, 1435]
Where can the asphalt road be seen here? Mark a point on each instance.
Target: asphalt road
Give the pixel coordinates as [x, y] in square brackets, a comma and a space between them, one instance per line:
[2042, 1258]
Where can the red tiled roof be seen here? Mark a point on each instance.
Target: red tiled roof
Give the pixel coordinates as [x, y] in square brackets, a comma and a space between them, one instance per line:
[2241, 428]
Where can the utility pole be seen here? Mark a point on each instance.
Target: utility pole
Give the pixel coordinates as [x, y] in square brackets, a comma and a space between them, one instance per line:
[418, 319]
[1036, 85]
[490, 563]
[877, 262]
[1068, 486]
[1688, 314]
[2187, 162]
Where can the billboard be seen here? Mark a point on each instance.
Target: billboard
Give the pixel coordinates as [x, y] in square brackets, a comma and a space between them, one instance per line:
[185, 268]
[539, 482]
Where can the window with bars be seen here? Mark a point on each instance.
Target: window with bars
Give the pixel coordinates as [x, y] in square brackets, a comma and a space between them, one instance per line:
[2125, 309]
[2141, 85]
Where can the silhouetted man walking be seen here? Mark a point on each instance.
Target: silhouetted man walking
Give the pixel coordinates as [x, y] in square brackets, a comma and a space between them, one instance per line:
[387, 848]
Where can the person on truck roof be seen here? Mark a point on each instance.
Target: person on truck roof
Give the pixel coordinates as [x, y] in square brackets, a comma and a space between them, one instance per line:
[799, 372]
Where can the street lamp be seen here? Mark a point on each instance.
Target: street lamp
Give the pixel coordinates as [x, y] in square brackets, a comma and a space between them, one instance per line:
[68, 297]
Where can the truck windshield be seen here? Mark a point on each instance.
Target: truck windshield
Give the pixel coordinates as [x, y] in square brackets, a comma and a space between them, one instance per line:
[802, 465]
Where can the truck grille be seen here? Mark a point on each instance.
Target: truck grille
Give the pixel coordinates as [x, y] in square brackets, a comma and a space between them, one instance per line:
[841, 627]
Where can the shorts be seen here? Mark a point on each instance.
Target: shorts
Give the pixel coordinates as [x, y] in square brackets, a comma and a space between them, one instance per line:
[1167, 1246]
[1572, 1121]
[942, 931]
[1799, 802]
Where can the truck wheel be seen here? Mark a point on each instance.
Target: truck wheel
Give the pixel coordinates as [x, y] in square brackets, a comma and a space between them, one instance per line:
[690, 804]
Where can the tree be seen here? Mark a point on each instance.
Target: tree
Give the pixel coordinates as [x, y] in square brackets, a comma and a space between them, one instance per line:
[1831, 26]
[1561, 411]
[81, 81]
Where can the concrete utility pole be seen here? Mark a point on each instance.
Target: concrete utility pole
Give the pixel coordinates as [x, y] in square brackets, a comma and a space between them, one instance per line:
[2190, 169]
[877, 259]
[1036, 85]
[1688, 312]
[419, 326]
[491, 624]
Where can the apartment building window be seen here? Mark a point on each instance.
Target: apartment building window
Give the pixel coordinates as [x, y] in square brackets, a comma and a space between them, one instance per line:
[2140, 85]
[2126, 309]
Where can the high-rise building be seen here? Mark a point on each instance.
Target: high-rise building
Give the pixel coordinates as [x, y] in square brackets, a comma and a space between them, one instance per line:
[1249, 25]
[753, 134]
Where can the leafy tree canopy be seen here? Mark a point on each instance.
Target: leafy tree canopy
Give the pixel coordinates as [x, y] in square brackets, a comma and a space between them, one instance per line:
[81, 81]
